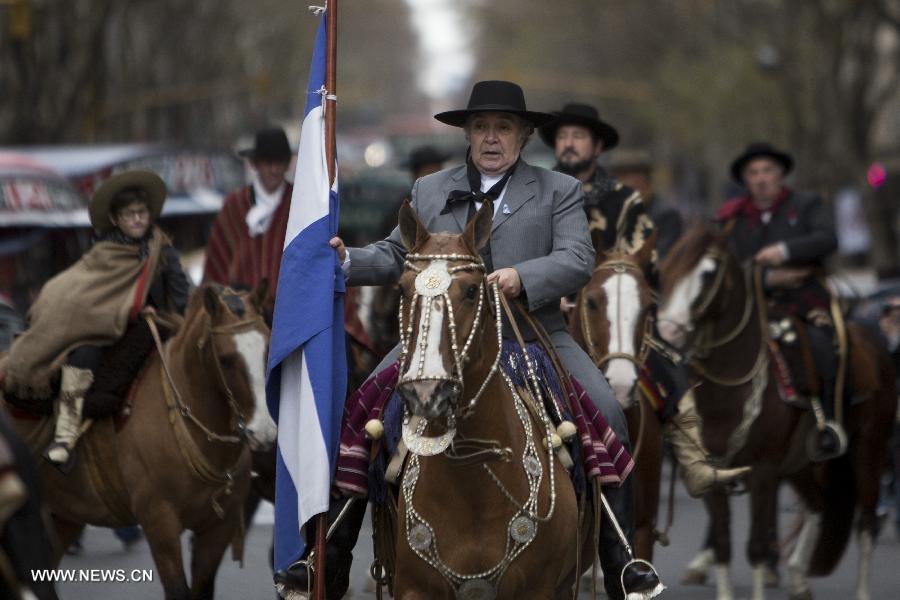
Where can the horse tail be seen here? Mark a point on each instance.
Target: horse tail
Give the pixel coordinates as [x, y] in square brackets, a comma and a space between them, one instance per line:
[837, 516]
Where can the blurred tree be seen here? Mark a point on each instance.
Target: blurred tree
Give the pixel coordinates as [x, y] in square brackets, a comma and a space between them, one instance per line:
[197, 71]
[698, 79]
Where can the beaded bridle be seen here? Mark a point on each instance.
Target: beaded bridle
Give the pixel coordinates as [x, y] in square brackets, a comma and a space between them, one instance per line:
[434, 283]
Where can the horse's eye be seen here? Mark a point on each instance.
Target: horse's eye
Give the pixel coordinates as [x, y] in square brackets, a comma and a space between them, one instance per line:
[471, 292]
[592, 304]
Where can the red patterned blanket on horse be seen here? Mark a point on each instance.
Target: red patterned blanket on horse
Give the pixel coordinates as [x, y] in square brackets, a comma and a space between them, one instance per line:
[600, 454]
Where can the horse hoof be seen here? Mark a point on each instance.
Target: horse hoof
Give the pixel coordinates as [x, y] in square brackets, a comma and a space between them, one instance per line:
[693, 577]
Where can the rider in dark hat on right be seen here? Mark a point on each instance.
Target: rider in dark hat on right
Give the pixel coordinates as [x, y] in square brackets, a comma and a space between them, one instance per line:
[617, 216]
[790, 235]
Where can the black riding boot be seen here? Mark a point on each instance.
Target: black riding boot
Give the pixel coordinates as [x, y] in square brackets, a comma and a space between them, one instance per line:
[638, 578]
[831, 441]
[338, 552]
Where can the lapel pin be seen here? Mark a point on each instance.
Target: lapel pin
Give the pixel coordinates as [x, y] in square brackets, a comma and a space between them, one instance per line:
[506, 210]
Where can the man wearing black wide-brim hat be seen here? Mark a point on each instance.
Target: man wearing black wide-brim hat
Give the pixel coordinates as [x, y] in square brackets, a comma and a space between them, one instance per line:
[539, 250]
[790, 234]
[616, 214]
[247, 237]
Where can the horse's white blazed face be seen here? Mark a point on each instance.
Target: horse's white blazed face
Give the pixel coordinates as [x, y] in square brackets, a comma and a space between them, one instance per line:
[623, 311]
[674, 317]
[425, 385]
[430, 331]
[251, 345]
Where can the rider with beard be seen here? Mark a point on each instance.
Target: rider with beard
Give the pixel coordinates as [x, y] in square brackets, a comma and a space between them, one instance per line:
[616, 213]
[619, 221]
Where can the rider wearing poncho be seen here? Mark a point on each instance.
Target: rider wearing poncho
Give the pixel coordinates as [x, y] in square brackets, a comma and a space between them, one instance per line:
[86, 329]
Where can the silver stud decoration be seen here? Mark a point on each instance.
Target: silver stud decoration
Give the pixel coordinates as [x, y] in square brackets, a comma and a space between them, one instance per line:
[433, 281]
[522, 530]
[420, 537]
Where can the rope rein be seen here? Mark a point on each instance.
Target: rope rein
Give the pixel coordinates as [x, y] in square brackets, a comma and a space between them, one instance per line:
[180, 414]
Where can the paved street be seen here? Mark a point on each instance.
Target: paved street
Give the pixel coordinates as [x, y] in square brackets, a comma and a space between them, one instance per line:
[103, 550]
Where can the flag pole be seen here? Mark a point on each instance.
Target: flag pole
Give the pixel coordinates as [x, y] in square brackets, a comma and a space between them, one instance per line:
[330, 149]
[331, 86]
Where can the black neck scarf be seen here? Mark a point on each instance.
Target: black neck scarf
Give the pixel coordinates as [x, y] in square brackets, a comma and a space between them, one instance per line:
[475, 195]
[116, 236]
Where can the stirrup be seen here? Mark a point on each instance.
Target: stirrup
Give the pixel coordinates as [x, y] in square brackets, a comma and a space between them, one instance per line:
[641, 594]
[831, 432]
[283, 579]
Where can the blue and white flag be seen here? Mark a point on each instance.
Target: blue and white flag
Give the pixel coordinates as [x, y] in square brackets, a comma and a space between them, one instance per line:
[307, 373]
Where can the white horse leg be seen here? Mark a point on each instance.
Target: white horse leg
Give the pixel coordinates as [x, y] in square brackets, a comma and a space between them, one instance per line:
[866, 545]
[759, 582]
[798, 563]
[724, 590]
[698, 568]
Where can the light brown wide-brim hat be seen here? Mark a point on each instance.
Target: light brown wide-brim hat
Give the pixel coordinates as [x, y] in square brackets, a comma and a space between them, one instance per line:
[146, 180]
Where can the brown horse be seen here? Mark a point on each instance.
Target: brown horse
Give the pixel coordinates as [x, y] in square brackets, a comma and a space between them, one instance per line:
[712, 311]
[494, 513]
[180, 460]
[610, 320]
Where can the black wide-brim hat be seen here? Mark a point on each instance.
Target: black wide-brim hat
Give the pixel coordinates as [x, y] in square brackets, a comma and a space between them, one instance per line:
[584, 115]
[146, 180]
[760, 150]
[494, 96]
[270, 144]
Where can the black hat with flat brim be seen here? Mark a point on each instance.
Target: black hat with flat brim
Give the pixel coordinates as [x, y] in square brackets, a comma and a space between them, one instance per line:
[494, 96]
[270, 144]
[148, 181]
[760, 150]
[584, 115]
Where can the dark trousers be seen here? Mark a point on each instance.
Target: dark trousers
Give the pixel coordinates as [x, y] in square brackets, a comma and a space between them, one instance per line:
[115, 369]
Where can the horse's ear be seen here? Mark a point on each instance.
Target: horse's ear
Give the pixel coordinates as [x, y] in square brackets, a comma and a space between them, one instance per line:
[478, 229]
[211, 301]
[645, 255]
[412, 231]
[259, 295]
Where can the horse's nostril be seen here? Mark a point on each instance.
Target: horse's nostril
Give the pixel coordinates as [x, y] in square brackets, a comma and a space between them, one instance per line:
[428, 398]
[444, 391]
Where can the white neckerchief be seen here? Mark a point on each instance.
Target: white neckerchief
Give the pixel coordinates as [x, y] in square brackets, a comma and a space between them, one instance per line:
[487, 182]
[259, 217]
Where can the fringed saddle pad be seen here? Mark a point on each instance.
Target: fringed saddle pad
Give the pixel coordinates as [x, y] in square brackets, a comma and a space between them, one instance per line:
[361, 464]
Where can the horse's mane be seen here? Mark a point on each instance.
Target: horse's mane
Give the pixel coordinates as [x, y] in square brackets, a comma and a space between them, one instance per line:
[687, 252]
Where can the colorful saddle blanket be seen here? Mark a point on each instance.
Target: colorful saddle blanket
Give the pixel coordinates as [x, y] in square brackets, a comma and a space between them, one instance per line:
[597, 451]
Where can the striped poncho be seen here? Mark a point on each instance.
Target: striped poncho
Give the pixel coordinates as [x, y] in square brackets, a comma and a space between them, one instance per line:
[235, 258]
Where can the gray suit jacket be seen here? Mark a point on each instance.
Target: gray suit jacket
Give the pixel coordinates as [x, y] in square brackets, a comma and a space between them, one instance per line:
[540, 230]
